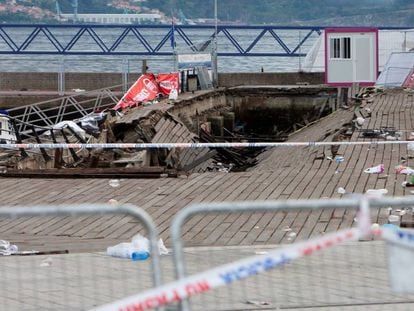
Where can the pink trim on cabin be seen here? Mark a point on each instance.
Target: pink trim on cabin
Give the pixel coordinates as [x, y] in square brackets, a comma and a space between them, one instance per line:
[347, 30]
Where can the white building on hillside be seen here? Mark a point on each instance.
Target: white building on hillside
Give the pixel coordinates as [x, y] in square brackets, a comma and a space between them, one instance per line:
[114, 18]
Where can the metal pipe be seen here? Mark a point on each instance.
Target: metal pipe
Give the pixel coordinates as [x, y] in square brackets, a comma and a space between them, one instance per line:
[361, 202]
[94, 209]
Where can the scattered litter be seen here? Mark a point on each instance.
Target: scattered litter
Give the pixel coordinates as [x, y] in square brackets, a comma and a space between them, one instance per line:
[261, 252]
[256, 227]
[377, 192]
[355, 219]
[375, 169]
[258, 303]
[7, 249]
[114, 183]
[360, 120]
[78, 90]
[375, 226]
[339, 159]
[402, 212]
[341, 190]
[47, 262]
[113, 202]
[404, 170]
[291, 235]
[389, 137]
[329, 158]
[286, 229]
[383, 132]
[393, 218]
[137, 249]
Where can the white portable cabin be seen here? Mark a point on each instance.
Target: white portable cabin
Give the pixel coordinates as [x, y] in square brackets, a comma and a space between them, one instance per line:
[7, 135]
[351, 56]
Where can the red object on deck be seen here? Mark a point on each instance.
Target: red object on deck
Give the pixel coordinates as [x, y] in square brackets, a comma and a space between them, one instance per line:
[168, 82]
[145, 89]
[409, 81]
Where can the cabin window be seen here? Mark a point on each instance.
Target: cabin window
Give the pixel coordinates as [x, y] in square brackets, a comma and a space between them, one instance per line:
[340, 48]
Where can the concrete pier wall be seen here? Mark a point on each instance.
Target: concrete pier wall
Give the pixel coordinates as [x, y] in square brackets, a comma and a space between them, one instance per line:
[17, 88]
[48, 81]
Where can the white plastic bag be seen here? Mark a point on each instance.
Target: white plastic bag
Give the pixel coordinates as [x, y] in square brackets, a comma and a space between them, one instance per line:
[139, 244]
[173, 94]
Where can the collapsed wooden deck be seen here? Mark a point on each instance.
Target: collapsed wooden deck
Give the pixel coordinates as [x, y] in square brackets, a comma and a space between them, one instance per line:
[288, 173]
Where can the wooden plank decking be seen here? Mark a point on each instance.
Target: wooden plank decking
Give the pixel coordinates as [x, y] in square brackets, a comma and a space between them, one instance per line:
[288, 173]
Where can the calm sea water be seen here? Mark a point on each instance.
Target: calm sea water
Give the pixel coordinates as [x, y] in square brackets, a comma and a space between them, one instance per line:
[50, 63]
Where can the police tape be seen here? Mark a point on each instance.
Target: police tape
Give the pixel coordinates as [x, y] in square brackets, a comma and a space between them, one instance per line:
[200, 145]
[229, 273]
[397, 236]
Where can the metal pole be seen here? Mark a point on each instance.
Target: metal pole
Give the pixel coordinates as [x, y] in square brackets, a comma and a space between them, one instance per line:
[61, 78]
[96, 209]
[215, 60]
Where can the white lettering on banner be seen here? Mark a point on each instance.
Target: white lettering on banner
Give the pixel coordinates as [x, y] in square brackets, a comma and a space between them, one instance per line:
[150, 84]
[169, 85]
[142, 95]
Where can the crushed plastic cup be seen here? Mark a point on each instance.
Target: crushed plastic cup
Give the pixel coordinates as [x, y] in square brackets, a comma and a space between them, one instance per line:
[291, 234]
[339, 159]
[341, 190]
[114, 183]
[113, 202]
[393, 218]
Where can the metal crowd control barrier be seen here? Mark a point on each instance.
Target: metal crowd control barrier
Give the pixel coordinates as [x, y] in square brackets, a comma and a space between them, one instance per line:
[75, 281]
[347, 275]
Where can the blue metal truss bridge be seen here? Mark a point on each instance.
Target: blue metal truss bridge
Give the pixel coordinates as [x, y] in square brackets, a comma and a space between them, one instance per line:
[155, 40]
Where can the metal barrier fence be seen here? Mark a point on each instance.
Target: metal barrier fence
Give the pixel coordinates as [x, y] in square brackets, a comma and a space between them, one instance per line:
[78, 281]
[352, 274]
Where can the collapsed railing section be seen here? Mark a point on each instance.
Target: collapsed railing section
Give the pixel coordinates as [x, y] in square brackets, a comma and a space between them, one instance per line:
[76, 281]
[51, 112]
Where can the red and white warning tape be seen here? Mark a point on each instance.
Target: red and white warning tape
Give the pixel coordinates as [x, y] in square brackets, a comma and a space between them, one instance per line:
[229, 273]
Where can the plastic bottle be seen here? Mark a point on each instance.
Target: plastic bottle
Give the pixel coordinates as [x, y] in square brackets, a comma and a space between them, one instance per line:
[141, 255]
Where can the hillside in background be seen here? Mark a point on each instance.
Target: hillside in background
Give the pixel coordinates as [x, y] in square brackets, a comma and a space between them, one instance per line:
[279, 12]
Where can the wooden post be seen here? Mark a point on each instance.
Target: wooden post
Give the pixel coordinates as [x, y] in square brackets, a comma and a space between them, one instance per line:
[217, 123]
[228, 120]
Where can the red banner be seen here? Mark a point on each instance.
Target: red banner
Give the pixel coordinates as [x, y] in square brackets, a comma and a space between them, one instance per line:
[167, 82]
[145, 89]
[409, 81]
